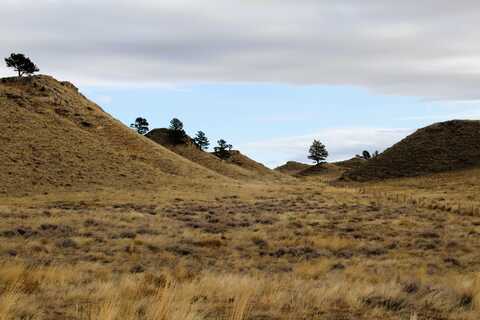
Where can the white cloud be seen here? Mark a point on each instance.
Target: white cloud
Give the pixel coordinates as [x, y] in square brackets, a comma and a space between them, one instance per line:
[341, 143]
[425, 48]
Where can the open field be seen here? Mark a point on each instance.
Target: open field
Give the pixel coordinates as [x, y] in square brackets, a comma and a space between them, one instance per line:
[99, 222]
[304, 250]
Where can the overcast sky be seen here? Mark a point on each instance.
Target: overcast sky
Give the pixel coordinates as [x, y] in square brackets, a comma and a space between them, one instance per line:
[425, 49]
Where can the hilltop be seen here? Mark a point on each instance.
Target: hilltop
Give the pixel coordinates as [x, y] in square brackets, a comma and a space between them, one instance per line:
[292, 167]
[53, 138]
[328, 170]
[444, 146]
[238, 166]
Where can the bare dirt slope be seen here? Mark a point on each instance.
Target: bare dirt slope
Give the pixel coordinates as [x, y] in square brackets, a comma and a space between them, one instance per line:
[238, 167]
[440, 147]
[52, 137]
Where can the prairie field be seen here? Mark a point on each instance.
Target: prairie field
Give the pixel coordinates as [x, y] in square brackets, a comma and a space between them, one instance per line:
[305, 249]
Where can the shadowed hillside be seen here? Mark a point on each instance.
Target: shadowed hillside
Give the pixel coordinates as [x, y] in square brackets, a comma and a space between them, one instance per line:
[52, 137]
[238, 166]
[444, 146]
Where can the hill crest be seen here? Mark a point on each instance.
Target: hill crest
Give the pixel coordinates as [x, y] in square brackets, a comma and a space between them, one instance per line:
[238, 166]
[440, 147]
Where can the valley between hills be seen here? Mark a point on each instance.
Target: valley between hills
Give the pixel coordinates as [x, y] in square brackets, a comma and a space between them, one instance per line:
[99, 222]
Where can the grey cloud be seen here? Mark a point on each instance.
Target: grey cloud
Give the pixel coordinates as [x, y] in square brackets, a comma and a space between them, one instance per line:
[426, 48]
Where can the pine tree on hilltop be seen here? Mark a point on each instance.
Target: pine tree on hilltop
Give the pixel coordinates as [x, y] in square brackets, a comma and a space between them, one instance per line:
[223, 149]
[21, 64]
[140, 125]
[318, 152]
[201, 140]
[176, 132]
[366, 155]
[176, 124]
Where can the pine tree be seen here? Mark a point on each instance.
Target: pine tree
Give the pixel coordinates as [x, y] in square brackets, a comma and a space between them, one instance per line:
[176, 125]
[21, 64]
[318, 152]
[140, 125]
[223, 149]
[176, 132]
[366, 155]
[201, 140]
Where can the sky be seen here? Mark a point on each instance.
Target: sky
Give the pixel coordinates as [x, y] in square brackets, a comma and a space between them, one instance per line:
[268, 76]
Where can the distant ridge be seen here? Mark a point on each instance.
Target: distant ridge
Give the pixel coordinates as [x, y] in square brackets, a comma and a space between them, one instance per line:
[238, 166]
[440, 147]
[292, 167]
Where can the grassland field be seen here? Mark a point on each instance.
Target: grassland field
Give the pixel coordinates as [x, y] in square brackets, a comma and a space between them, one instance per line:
[304, 249]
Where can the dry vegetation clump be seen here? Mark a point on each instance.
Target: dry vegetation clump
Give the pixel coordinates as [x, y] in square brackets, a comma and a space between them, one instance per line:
[90, 291]
[456, 192]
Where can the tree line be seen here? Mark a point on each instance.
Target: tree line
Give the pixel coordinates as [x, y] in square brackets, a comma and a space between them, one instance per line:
[177, 135]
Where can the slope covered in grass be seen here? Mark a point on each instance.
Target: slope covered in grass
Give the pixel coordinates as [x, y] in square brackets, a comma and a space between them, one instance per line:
[238, 166]
[444, 146]
[292, 167]
[53, 138]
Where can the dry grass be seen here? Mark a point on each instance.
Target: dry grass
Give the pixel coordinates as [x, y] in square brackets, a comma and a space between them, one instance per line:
[166, 239]
[457, 191]
[239, 167]
[53, 139]
[239, 297]
[304, 250]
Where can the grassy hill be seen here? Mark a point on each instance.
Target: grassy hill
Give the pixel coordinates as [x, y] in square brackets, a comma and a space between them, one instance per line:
[53, 138]
[444, 146]
[238, 166]
[292, 167]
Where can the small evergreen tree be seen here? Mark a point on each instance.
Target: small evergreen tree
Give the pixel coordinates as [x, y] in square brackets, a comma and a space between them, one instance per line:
[140, 125]
[176, 125]
[201, 140]
[223, 149]
[366, 155]
[318, 152]
[21, 64]
[176, 132]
